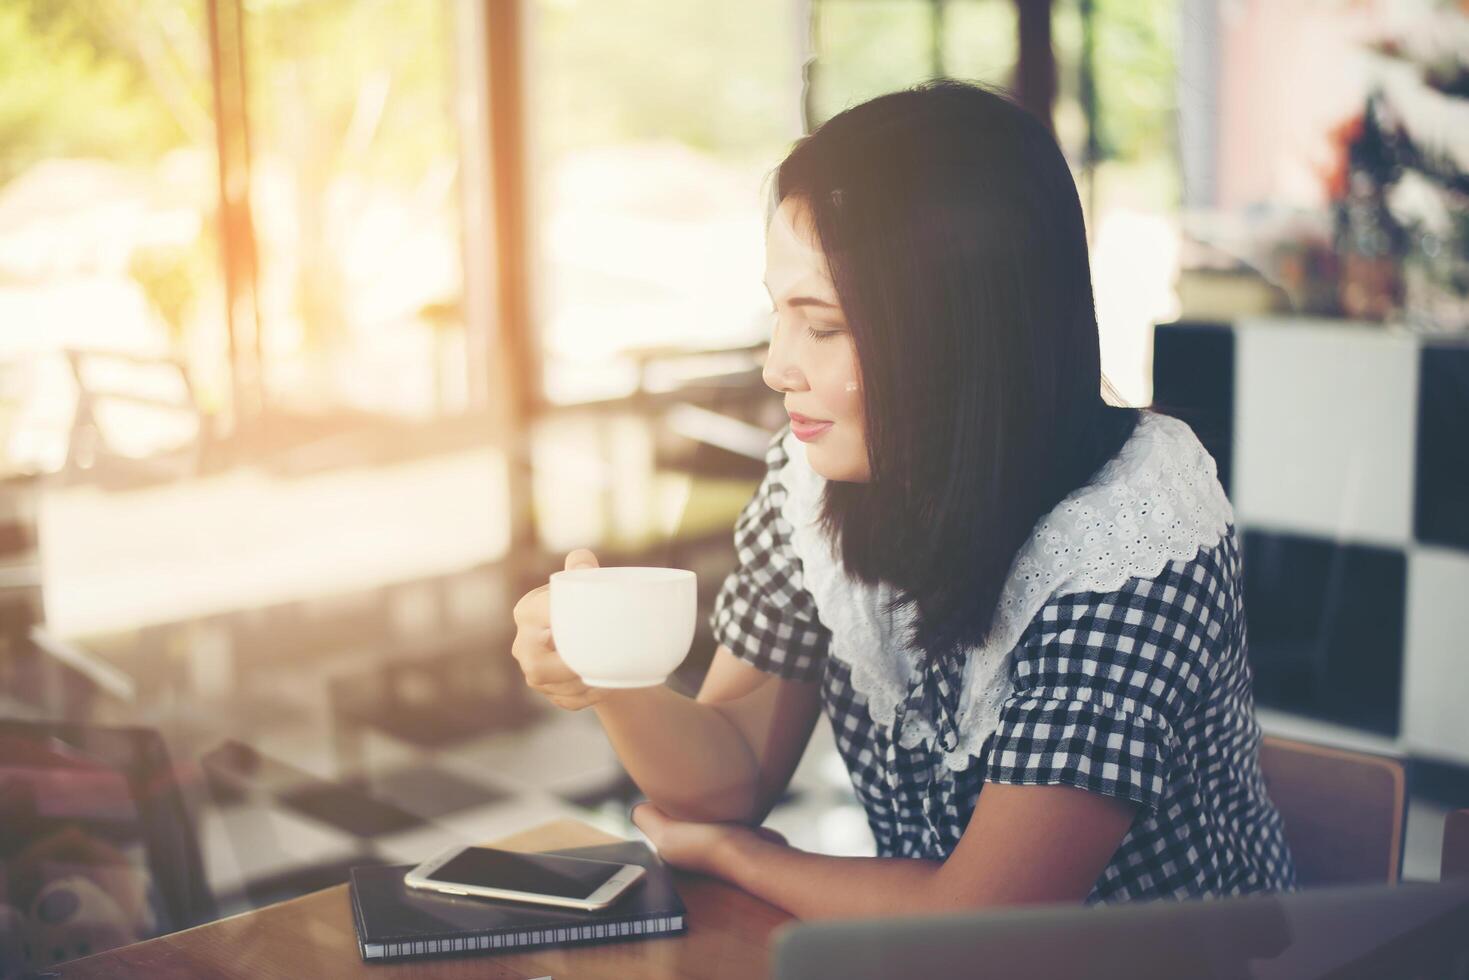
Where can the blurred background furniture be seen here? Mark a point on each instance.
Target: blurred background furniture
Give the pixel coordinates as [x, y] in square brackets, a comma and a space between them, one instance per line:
[99, 846]
[1456, 844]
[41, 674]
[1343, 811]
[115, 390]
[1344, 447]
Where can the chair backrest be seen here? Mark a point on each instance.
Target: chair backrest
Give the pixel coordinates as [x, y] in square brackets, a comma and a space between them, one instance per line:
[1343, 810]
[21, 607]
[1456, 845]
[100, 814]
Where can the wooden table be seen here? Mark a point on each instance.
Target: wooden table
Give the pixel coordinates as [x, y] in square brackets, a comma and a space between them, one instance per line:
[312, 936]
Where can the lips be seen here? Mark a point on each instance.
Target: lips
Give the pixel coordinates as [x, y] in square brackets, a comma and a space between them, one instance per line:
[806, 429]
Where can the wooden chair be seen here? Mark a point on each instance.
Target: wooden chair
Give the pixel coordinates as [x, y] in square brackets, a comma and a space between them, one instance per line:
[1343, 811]
[1456, 845]
[87, 802]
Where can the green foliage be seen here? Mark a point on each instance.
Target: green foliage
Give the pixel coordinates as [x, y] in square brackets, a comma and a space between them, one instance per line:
[1136, 42]
[868, 47]
[172, 277]
[68, 90]
[718, 76]
[317, 69]
[128, 79]
[980, 41]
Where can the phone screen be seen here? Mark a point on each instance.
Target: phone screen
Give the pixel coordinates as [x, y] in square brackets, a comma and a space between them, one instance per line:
[539, 874]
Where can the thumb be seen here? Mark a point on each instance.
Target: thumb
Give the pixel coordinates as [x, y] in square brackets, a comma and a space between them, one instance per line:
[581, 558]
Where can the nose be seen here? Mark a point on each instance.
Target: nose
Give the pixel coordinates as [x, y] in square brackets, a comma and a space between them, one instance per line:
[781, 371]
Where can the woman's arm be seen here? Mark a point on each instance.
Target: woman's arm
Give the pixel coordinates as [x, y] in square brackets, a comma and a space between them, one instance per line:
[723, 757]
[1023, 844]
[727, 755]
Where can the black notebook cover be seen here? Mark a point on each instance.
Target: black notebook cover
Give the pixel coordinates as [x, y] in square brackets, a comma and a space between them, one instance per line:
[396, 922]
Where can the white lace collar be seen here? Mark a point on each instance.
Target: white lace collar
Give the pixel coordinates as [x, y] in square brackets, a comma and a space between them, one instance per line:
[1156, 501]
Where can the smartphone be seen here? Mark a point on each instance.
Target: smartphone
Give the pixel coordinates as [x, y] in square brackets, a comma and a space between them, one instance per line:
[547, 879]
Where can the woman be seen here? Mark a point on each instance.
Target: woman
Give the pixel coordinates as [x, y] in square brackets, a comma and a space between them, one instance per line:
[1019, 606]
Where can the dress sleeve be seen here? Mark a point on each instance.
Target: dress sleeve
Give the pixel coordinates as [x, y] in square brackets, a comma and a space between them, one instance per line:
[1104, 681]
[762, 613]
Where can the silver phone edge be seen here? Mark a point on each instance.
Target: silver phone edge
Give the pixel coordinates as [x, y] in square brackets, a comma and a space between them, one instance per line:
[534, 898]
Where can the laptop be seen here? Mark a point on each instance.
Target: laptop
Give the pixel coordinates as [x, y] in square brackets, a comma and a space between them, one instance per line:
[1404, 931]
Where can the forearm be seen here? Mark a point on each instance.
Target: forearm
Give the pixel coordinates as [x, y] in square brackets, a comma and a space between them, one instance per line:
[1023, 845]
[815, 886]
[686, 756]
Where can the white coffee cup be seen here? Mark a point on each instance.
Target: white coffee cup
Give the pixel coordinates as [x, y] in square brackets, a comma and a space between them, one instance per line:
[623, 627]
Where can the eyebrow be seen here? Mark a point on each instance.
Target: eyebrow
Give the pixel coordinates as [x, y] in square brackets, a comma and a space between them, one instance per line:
[803, 300]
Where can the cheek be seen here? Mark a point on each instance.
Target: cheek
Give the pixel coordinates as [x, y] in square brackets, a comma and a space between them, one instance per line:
[836, 383]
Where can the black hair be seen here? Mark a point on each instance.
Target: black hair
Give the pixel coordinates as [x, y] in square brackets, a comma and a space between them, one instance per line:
[957, 247]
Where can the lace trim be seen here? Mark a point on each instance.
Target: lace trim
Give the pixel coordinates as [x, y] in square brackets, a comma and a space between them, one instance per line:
[1158, 500]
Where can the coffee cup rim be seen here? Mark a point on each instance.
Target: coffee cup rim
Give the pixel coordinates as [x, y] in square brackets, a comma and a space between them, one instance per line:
[645, 574]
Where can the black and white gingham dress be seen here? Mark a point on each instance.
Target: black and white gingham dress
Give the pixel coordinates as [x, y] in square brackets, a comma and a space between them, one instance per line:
[1171, 730]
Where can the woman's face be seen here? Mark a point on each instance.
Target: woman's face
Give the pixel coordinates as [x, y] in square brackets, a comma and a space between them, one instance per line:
[812, 359]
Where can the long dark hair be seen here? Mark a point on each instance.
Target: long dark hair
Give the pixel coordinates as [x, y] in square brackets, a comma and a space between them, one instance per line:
[956, 243]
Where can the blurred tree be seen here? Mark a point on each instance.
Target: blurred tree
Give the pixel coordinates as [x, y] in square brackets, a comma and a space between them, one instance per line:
[103, 78]
[172, 277]
[704, 74]
[868, 47]
[1035, 68]
[368, 84]
[345, 96]
[865, 48]
[1136, 45]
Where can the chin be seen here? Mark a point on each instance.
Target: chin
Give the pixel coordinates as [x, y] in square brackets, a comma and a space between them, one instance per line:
[837, 466]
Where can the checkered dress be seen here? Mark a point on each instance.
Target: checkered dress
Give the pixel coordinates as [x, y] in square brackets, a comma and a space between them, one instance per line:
[1108, 697]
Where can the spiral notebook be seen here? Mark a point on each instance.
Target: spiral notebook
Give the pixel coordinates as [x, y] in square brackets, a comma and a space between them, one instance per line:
[395, 922]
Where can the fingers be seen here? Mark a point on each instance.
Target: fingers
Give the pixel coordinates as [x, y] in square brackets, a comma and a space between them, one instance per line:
[543, 670]
[534, 608]
[632, 814]
[535, 648]
[591, 696]
[581, 558]
[565, 689]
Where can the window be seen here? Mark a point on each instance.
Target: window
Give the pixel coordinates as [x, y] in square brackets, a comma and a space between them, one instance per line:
[653, 127]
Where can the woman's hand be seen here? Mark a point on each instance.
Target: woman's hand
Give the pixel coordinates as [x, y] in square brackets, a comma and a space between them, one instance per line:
[535, 650]
[693, 846]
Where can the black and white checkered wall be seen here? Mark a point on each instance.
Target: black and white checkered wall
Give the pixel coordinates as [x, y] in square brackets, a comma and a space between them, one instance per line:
[1345, 451]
